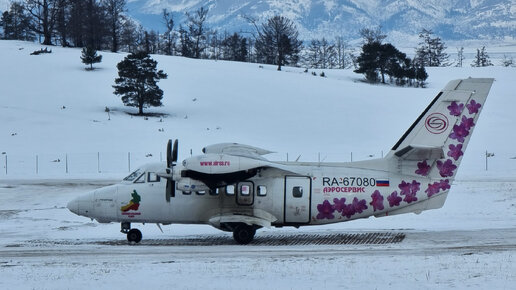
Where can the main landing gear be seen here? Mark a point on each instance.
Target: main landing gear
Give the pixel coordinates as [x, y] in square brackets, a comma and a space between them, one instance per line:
[244, 234]
[133, 235]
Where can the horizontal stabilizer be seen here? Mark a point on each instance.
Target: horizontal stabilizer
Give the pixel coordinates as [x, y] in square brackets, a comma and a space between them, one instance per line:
[420, 152]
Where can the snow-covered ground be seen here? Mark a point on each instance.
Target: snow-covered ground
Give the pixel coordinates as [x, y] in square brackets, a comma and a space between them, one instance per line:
[55, 138]
[468, 244]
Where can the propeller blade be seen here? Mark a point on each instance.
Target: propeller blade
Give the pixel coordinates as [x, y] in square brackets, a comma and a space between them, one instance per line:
[169, 153]
[174, 151]
[170, 190]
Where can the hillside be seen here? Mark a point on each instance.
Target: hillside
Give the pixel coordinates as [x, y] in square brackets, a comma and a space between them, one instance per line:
[51, 107]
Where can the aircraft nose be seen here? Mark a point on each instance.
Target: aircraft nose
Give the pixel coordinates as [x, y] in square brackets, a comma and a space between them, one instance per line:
[73, 206]
[82, 205]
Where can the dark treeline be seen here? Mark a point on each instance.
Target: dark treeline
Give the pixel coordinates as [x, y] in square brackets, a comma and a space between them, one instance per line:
[104, 25]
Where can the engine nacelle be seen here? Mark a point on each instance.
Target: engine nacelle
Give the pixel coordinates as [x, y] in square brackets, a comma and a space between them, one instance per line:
[221, 163]
[188, 184]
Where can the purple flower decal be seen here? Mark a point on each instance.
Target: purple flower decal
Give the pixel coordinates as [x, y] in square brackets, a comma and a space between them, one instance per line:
[473, 107]
[409, 190]
[467, 122]
[359, 205]
[377, 201]
[445, 184]
[422, 168]
[325, 211]
[394, 199]
[348, 211]
[340, 204]
[433, 189]
[459, 132]
[455, 109]
[446, 168]
[455, 151]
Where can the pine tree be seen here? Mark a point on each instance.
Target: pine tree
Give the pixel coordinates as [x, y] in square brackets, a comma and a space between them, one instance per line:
[481, 59]
[460, 56]
[89, 56]
[378, 60]
[15, 23]
[431, 50]
[278, 42]
[114, 14]
[137, 81]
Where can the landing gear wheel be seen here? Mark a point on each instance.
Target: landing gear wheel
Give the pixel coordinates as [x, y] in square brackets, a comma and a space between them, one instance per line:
[134, 235]
[244, 234]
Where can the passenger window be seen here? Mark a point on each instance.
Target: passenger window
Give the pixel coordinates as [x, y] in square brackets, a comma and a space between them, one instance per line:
[245, 190]
[152, 177]
[230, 190]
[140, 179]
[261, 190]
[297, 191]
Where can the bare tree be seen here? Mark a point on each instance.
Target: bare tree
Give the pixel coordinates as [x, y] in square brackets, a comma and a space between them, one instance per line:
[169, 35]
[44, 14]
[198, 31]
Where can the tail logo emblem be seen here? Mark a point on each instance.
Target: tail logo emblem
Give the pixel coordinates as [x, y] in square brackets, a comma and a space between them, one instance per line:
[436, 123]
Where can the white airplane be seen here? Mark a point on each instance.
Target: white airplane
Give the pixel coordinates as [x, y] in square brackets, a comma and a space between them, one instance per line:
[234, 188]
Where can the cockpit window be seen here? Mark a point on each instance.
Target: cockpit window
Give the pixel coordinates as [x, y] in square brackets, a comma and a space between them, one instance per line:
[152, 177]
[135, 174]
[140, 179]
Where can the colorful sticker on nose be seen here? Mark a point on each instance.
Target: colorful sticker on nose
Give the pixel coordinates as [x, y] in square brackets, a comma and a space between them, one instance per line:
[134, 204]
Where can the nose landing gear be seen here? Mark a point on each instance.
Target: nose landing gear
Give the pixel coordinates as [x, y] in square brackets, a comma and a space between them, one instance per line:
[133, 235]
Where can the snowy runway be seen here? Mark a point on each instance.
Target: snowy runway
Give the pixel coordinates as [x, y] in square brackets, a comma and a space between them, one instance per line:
[470, 243]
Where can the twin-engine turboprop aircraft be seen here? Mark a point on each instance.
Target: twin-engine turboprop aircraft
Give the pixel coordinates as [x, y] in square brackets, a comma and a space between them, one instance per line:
[234, 188]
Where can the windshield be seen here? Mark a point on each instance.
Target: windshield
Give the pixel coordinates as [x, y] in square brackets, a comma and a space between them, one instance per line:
[134, 175]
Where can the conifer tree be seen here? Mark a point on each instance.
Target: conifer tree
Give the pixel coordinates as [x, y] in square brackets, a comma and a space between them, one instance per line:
[137, 81]
[89, 56]
[15, 23]
[481, 59]
[431, 50]
[278, 42]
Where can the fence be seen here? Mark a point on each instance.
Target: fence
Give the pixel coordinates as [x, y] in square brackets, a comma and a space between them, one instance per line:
[15, 164]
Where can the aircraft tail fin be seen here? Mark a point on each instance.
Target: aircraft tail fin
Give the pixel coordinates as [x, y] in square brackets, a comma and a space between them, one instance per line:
[439, 136]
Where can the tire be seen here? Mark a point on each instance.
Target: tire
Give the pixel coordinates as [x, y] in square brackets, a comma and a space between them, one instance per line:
[244, 234]
[134, 235]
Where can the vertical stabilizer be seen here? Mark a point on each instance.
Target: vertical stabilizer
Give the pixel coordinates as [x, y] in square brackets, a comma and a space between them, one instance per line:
[437, 140]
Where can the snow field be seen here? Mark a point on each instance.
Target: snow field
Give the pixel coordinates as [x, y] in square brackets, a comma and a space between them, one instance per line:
[469, 243]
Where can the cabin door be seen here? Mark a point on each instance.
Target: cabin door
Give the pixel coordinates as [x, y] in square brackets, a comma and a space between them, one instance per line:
[297, 199]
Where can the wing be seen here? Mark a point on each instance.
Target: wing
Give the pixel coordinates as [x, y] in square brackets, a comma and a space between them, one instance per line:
[236, 149]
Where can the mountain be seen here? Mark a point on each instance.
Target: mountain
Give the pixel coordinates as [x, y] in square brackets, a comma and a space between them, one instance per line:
[450, 19]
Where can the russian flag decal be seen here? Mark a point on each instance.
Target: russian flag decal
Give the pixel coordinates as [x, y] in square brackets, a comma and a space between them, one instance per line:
[382, 182]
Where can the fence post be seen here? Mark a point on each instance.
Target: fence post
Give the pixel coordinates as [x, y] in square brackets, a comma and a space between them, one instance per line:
[37, 165]
[66, 160]
[129, 161]
[351, 156]
[98, 162]
[5, 164]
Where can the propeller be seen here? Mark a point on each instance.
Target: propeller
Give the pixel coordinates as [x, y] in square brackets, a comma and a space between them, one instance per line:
[171, 162]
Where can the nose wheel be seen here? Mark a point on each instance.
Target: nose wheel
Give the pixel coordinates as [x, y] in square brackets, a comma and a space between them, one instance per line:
[133, 235]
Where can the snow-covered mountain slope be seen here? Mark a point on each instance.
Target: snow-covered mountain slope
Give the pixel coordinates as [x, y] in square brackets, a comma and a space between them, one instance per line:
[451, 19]
[52, 107]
